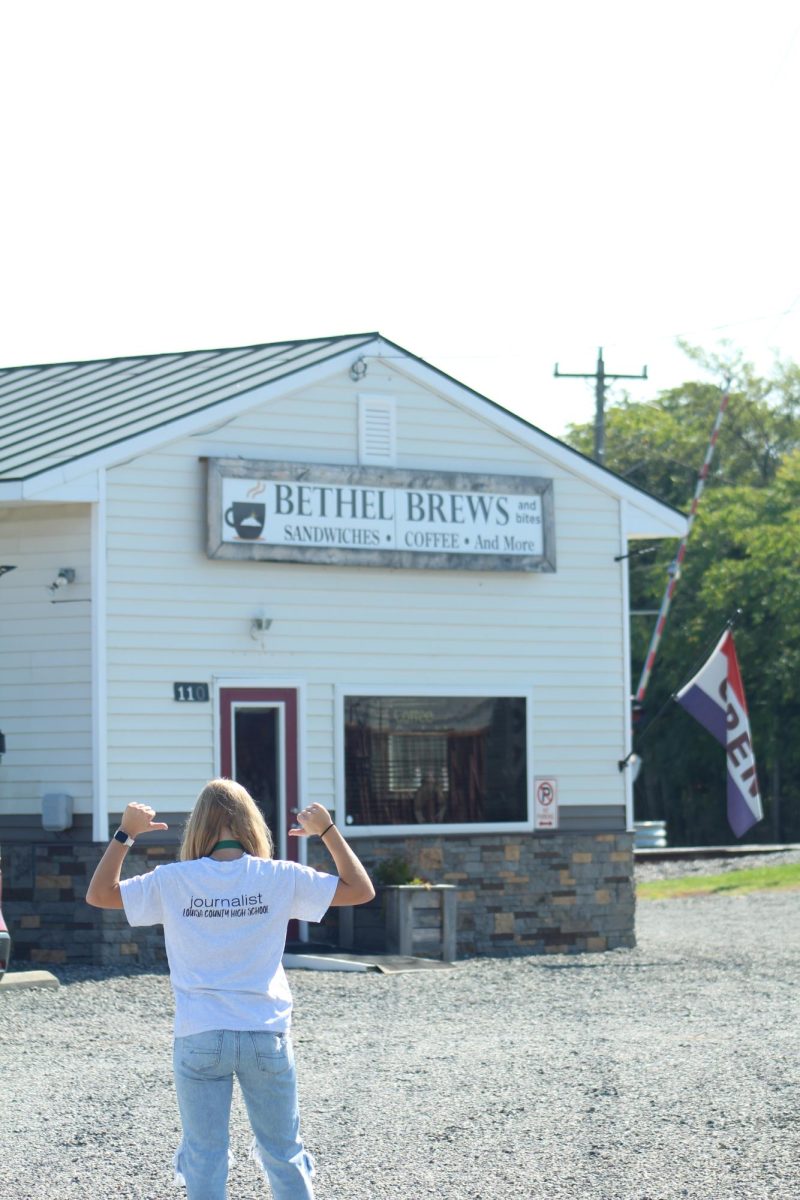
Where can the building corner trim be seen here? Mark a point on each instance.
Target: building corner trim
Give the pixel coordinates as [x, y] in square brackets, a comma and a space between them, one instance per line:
[627, 730]
[99, 665]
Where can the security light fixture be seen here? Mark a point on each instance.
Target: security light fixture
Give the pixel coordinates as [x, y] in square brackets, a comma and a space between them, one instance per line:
[633, 763]
[259, 626]
[5, 569]
[65, 575]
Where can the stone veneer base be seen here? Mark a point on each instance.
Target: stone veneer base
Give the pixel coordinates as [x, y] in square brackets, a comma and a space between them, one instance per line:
[518, 894]
[44, 904]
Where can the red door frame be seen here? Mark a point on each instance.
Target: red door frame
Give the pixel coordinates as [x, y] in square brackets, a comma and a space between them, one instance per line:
[228, 696]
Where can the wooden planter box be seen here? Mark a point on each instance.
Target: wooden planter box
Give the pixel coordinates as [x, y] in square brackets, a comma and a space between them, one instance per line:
[421, 920]
[412, 919]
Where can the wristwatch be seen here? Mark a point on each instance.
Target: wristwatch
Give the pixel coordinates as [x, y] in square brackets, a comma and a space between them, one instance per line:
[122, 837]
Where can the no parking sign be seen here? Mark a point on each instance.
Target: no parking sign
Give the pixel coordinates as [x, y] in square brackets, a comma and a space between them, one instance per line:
[545, 804]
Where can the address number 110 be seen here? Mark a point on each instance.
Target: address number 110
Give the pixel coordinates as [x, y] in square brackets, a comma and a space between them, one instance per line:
[190, 691]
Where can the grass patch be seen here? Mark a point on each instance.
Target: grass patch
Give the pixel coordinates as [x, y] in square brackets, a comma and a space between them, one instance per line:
[781, 878]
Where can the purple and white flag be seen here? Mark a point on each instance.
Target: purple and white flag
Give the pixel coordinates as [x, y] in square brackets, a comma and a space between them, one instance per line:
[715, 697]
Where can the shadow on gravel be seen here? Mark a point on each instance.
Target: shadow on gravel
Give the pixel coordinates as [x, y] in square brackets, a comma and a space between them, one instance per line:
[594, 966]
[66, 975]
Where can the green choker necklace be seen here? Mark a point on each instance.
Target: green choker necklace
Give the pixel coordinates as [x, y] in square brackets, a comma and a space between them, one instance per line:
[229, 844]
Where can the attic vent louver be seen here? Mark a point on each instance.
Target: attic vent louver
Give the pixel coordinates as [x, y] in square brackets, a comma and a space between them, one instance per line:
[376, 430]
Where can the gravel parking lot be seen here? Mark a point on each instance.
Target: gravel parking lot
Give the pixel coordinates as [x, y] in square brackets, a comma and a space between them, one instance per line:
[667, 1071]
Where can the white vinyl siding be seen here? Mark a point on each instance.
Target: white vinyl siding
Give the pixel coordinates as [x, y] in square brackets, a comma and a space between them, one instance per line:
[176, 615]
[45, 649]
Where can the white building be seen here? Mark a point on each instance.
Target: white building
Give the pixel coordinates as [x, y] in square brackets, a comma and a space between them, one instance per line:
[334, 572]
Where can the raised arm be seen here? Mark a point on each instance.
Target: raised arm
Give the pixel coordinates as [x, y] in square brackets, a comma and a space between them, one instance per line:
[355, 885]
[104, 890]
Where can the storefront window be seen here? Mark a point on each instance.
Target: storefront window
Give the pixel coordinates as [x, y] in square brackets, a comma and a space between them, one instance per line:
[435, 760]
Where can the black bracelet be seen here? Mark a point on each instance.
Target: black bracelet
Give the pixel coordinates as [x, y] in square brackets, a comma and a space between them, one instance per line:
[322, 835]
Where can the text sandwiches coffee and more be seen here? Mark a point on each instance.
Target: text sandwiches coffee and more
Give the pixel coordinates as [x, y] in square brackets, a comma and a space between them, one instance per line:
[296, 513]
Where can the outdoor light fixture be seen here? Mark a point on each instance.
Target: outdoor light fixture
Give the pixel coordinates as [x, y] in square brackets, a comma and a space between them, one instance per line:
[634, 764]
[259, 626]
[5, 569]
[358, 369]
[65, 575]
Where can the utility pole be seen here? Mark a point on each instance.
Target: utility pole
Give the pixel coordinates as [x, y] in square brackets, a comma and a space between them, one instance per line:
[601, 383]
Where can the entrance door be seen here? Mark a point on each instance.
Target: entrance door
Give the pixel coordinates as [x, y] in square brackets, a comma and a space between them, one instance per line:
[258, 748]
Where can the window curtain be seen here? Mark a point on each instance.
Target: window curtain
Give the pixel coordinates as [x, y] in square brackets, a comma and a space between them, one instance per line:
[466, 765]
[367, 759]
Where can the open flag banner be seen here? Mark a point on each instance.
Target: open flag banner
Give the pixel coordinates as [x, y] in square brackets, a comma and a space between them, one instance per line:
[715, 697]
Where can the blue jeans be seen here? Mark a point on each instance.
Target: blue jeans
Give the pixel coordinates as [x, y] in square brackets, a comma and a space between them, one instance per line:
[204, 1065]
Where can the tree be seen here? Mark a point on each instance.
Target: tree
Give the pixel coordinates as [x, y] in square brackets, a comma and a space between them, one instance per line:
[744, 553]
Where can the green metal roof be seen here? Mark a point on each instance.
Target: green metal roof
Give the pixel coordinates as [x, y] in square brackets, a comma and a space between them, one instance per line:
[54, 414]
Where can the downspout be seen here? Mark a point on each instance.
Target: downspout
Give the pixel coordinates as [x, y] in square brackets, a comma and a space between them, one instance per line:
[627, 732]
[99, 665]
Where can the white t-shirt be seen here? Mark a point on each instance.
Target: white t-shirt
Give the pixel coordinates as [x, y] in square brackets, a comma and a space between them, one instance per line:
[225, 930]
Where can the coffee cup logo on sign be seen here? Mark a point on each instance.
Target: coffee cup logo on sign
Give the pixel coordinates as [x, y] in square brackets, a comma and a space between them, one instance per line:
[247, 518]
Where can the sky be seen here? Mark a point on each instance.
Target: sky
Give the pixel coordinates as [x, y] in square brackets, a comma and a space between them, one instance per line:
[496, 187]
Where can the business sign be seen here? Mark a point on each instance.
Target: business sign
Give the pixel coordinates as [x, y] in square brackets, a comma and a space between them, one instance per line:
[545, 803]
[368, 516]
